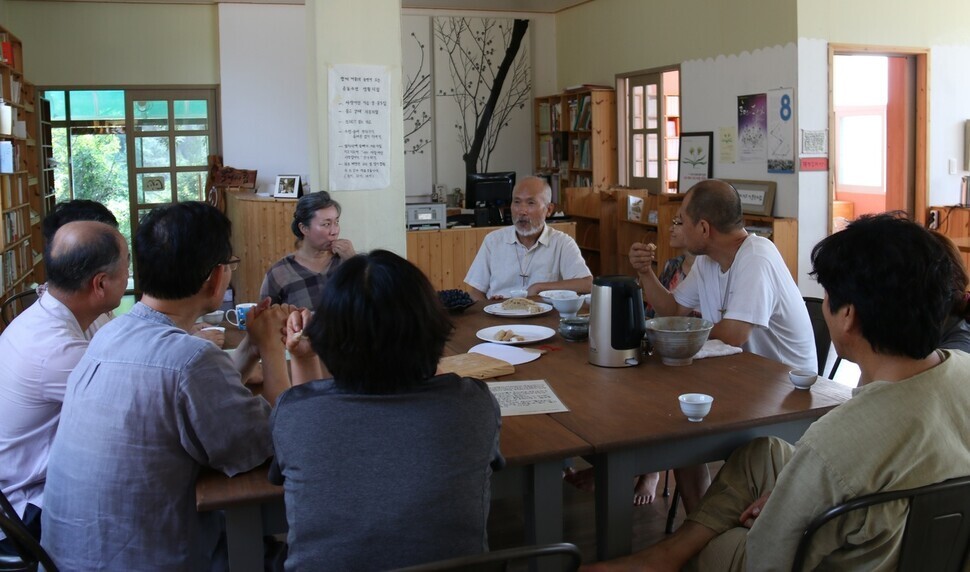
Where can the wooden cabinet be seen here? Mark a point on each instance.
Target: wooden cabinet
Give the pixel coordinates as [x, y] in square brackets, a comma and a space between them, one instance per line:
[260, 236]
[445, 255]
[595, 215]
[21, 243]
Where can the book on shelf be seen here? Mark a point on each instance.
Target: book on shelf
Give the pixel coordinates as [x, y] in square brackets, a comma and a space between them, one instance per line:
[6, 119]
[555, 119]
[6, 49]
[585, 114]
[573, 113]
[545, 117]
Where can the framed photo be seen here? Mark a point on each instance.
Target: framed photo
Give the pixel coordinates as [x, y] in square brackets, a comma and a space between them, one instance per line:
[287, 187]
[757, 197]
[695, 162]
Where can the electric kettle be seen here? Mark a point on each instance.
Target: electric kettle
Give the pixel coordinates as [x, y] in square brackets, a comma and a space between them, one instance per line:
[616, 324]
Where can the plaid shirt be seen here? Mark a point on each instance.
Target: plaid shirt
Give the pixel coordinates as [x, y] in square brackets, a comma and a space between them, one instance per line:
[289, 282]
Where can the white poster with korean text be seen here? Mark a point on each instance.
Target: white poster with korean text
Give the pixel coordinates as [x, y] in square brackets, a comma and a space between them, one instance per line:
[360, 127]
[781, 131]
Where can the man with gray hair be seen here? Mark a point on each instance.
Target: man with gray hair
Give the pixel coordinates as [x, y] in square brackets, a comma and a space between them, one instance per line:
[529, 255]
[87, 273]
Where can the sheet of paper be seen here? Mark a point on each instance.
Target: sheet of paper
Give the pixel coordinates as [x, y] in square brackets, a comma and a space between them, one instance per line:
[530, 397]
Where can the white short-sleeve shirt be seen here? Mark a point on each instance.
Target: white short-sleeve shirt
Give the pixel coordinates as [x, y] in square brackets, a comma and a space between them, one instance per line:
[757, 289]
[504, 264]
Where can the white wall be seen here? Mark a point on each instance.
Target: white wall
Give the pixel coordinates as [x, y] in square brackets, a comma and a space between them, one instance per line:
[949, 110]
[117, 44]
[515, 152]
[262, 62]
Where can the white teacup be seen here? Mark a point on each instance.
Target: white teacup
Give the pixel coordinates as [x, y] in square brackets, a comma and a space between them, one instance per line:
[695, 406]
[519, 293]
[238, 315]
[802, 379]
[214, 318]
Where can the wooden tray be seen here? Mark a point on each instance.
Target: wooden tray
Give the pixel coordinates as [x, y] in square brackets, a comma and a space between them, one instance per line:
[477, 366]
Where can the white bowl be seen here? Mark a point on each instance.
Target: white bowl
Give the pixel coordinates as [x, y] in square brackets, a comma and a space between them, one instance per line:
[695, 406]
[802, 379]
[566, 302]
[214, 318]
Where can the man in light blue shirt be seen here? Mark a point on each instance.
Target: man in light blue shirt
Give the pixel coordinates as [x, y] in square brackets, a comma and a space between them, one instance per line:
[149, 405]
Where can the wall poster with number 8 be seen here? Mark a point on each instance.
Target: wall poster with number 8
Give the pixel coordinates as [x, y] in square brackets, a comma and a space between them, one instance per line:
[781, 131]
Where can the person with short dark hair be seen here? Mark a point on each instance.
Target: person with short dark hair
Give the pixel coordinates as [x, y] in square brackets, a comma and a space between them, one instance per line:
[387, 464]
[87, 267]
[300, 278]
[75, 209]
[956, 329]
[149, 405]
[888, 290]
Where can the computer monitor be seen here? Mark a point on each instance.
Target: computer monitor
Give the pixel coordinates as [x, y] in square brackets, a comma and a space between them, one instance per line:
[489, 190]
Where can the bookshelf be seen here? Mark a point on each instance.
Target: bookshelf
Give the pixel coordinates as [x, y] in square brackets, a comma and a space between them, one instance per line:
[21, 244]
[595, 215]
[575, 139]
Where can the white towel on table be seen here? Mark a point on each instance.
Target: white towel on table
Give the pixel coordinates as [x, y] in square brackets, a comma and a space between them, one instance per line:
[716, 348]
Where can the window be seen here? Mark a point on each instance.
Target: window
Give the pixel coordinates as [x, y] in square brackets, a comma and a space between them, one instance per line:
[649, 119]
[132, 150]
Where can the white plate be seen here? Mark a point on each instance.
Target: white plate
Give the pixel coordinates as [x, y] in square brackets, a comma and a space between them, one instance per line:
[496, 310]
[511, 354]
[531, 334]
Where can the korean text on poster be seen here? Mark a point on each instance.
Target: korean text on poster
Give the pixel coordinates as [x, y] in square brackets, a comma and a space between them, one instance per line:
[360, 125]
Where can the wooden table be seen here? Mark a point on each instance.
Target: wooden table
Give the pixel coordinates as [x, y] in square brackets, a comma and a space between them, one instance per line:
[632, 418]
[627, 419]
[533, 446]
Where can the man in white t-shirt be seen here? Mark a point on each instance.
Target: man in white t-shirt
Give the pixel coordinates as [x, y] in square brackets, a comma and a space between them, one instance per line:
[739, 282]
[87, 272]
[529, 255]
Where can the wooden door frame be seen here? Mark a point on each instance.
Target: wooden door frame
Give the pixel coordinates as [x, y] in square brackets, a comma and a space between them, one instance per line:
[921, 147]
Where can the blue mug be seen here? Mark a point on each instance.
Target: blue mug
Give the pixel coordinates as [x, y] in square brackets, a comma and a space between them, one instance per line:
[238, 315]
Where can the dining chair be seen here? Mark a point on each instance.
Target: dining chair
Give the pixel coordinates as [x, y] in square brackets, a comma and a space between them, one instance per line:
[937, 533]
[499, 560]
[16, 304]
[30, 554]
[823, 341]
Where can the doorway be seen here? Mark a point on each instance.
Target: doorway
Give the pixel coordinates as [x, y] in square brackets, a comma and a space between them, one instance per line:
[878, 114]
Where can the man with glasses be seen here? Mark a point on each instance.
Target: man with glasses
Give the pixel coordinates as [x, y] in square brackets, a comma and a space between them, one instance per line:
[149, 405]
[739, 282]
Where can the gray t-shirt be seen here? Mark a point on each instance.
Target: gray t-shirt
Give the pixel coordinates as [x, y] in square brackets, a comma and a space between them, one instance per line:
[374, 482]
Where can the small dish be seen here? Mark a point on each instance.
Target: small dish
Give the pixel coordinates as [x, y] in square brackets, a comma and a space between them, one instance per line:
[531, 334]
[214, 318]
[695, 406]
[802, 379]
[498, 310]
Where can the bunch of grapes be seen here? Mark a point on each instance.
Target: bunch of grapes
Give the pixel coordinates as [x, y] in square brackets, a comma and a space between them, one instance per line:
[454, 299]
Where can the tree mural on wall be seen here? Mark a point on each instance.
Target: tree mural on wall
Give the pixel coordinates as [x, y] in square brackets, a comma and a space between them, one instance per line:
[417, 91]
[486, 90]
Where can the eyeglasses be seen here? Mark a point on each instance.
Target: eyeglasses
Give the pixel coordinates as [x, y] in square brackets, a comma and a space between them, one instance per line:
[677, 221]
[233, 263]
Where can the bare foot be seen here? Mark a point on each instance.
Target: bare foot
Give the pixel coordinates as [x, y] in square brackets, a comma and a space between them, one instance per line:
[645, 489]
[583, 480]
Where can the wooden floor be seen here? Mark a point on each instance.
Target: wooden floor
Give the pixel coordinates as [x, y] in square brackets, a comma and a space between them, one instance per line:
[506, 520]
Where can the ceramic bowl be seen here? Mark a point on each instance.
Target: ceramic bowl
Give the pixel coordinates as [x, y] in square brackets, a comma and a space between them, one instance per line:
[566, 302]
[802, 379]
[574, 329]
[214, 318]
[676, 339]
[695, 406]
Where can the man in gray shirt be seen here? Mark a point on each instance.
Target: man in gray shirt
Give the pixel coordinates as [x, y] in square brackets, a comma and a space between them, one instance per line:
[149, 405]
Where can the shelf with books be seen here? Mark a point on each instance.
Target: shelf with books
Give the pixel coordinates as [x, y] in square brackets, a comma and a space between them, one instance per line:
[21, 204]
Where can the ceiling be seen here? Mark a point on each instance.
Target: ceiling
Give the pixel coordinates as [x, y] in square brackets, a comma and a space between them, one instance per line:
[541, 6]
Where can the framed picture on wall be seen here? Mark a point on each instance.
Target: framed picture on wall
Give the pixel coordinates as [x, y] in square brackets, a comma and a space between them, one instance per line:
[287, 187]
[757, 197]
[696, 163]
